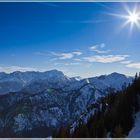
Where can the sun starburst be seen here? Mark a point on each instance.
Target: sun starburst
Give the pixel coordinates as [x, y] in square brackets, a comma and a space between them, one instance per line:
[132, 17]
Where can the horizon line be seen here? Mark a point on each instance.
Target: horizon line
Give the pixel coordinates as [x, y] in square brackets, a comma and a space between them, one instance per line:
[37, 71]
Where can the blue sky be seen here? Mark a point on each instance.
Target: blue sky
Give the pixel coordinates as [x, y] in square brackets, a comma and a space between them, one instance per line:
[80, 39]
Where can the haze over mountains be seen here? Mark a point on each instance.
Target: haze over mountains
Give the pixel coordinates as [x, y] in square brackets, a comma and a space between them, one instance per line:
[31, 100]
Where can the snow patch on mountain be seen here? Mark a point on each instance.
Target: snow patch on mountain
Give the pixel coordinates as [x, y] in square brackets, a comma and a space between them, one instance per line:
[16, 81]
[135, 132]
[115, 80]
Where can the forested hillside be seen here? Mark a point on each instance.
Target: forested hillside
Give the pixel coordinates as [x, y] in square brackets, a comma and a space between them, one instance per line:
[114, 118]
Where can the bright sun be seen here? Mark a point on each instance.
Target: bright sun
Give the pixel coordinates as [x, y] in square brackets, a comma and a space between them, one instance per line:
[133, 18]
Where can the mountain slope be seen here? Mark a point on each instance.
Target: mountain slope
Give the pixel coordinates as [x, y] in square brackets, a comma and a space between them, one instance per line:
[16, 81]
[46, 98]
[112, 116]
[135, 131]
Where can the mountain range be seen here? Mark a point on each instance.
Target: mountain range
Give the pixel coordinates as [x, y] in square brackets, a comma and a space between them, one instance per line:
[32, 100]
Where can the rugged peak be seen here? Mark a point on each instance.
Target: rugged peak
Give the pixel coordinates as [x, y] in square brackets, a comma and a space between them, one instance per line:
[116, 74]
[54, 73]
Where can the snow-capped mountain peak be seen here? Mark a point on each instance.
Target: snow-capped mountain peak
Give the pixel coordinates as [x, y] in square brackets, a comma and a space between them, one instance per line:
[20, 80]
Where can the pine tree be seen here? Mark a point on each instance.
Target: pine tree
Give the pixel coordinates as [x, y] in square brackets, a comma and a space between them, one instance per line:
[63, 132]
[118, 132]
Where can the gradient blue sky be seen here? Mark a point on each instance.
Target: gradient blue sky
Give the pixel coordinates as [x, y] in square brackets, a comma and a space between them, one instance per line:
[80, 39]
